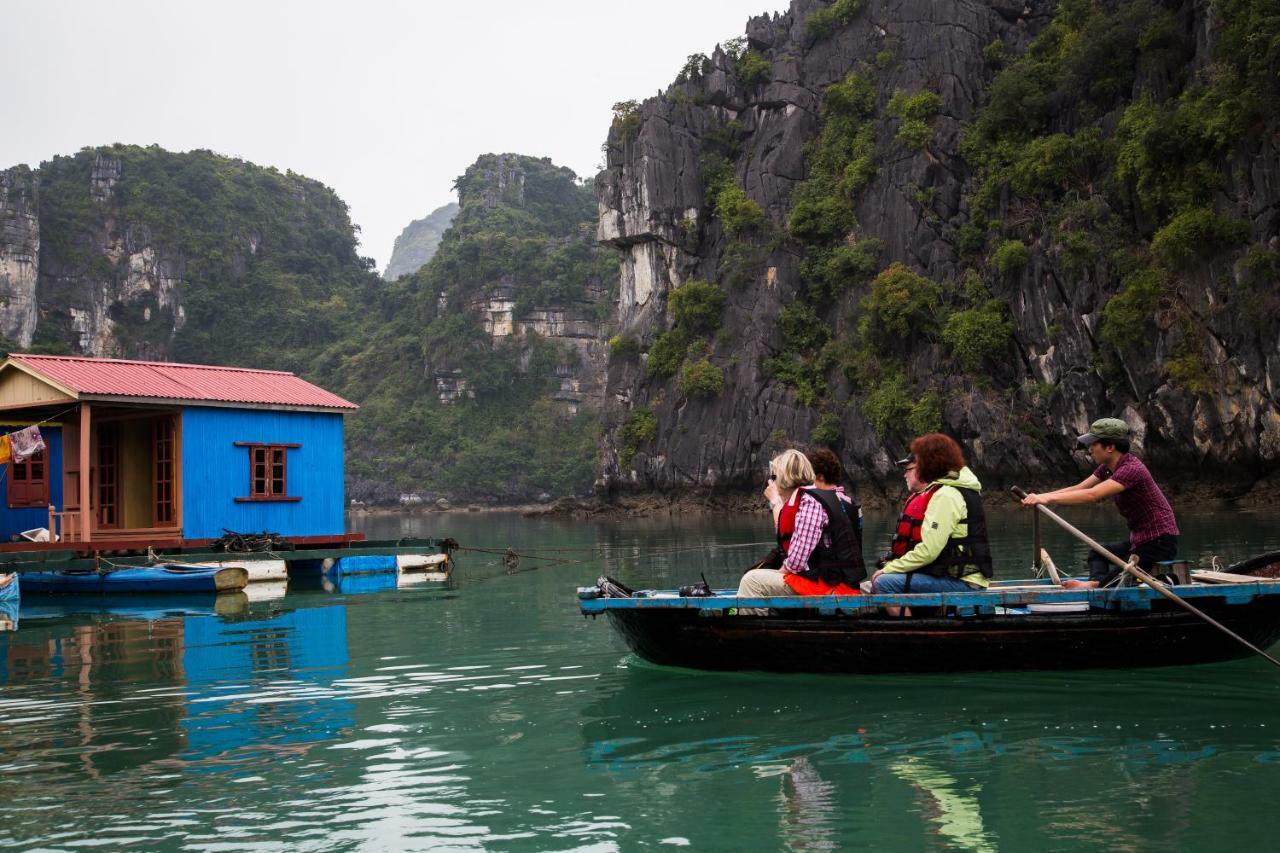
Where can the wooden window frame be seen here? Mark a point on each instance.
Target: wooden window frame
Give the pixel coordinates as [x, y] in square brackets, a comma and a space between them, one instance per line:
[40, 502]
[107, 456]
[269, 493]
[164, 446]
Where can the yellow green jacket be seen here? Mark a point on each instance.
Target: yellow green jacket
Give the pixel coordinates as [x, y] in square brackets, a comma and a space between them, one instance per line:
[942, 521]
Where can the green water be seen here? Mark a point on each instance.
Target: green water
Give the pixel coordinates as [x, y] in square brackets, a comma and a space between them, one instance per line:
[492, 715]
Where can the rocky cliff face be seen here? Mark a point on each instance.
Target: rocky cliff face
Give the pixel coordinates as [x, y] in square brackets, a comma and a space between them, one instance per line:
[97, 275]
[19, 254]
[865, 169]
[418, 242]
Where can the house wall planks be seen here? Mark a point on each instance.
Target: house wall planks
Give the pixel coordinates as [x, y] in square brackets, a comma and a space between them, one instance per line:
[215, 472]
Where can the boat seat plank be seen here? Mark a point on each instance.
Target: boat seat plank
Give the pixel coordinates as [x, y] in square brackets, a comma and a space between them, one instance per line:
[1209, 576]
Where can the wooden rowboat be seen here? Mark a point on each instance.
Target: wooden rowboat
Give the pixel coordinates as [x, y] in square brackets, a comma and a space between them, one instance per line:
[950, 632]
[166, 577]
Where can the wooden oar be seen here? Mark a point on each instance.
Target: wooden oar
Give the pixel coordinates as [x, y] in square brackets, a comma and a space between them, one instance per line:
[1142, 576]
[1047, 562]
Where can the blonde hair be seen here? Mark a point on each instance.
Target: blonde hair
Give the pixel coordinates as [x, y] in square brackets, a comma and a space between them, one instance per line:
[792, 469]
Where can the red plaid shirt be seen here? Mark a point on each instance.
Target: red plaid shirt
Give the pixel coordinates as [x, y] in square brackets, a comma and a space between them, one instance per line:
[811, 518]
[1142, 504]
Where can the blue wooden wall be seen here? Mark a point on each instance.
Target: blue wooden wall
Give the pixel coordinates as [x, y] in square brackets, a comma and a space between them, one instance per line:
[215, 472]
[16, 520]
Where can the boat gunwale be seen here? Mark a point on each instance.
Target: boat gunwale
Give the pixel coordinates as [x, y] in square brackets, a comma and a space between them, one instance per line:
[964, 603]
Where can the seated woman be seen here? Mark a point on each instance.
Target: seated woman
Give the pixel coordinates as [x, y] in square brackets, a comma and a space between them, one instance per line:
[944, 548]
[827, 475]
[814, 533]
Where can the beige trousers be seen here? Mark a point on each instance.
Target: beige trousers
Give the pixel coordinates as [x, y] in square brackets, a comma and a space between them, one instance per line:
[761, 583]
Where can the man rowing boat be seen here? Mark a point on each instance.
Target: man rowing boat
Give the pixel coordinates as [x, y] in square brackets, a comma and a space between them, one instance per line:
[1153, 530]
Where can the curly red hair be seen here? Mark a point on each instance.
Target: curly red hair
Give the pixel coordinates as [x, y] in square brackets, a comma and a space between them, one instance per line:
[936, 456]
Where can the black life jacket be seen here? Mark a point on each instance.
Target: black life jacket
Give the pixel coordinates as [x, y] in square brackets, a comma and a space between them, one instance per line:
[961, 555]
[841, 560]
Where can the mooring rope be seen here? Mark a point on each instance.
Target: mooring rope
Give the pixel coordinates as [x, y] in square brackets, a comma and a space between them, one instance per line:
[536, 553]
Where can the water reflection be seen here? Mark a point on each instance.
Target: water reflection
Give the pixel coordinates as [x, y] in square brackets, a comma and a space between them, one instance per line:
[949, 756]
[89, 662]
[286, 658]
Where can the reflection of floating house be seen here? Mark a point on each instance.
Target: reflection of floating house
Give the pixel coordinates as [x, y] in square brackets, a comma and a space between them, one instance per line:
[170, 454]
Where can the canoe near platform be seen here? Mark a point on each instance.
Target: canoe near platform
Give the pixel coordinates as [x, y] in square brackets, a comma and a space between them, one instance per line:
[993, 630]
[162, 578]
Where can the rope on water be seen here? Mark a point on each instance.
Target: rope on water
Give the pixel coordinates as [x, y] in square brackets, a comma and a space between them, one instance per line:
[511, 558]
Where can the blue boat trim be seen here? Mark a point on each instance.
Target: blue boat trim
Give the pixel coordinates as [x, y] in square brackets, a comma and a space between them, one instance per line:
[977, 602]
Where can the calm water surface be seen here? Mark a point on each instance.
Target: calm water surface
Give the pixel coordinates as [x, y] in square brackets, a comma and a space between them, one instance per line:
[492, 715]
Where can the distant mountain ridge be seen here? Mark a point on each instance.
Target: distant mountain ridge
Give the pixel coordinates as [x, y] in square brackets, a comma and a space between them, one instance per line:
[418, 242]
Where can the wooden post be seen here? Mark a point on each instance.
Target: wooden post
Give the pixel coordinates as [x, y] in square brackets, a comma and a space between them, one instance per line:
[86, 527]
[1036, 559]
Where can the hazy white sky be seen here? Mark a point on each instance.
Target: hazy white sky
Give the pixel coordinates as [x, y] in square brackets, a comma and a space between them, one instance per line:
[387, 102]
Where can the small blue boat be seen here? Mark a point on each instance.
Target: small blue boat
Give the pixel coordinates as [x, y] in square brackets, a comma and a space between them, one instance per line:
[166, 577]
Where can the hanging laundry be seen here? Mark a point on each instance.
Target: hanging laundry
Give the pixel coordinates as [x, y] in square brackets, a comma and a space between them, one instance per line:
[6, 449]
[26, 443]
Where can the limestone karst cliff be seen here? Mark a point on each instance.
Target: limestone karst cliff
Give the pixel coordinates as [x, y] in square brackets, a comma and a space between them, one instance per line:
[418, 242]
[125, 251]
[871, 219]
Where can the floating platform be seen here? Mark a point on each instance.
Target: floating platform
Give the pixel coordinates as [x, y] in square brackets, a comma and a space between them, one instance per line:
[58, 567]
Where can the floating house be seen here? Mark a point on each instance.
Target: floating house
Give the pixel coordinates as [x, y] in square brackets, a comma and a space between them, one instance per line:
[154, 454]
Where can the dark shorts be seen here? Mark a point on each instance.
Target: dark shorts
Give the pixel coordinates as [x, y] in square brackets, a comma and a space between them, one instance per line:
[1149, 553]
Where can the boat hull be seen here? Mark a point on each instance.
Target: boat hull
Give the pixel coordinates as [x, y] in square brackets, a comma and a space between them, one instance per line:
[137, 580]
[877, 644]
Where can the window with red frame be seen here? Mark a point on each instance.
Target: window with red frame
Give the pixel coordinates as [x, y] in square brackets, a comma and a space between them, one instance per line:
[29, 482]
[268, 472]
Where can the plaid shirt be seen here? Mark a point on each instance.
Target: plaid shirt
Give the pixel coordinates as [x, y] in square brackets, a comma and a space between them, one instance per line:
[811, 518]
[1143, 505]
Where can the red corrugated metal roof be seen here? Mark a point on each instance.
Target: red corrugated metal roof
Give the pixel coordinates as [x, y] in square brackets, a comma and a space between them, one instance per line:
[194, 382]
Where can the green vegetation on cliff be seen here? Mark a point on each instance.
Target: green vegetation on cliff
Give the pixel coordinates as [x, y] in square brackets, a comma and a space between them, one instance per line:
[265, 261]
[1117, 151]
